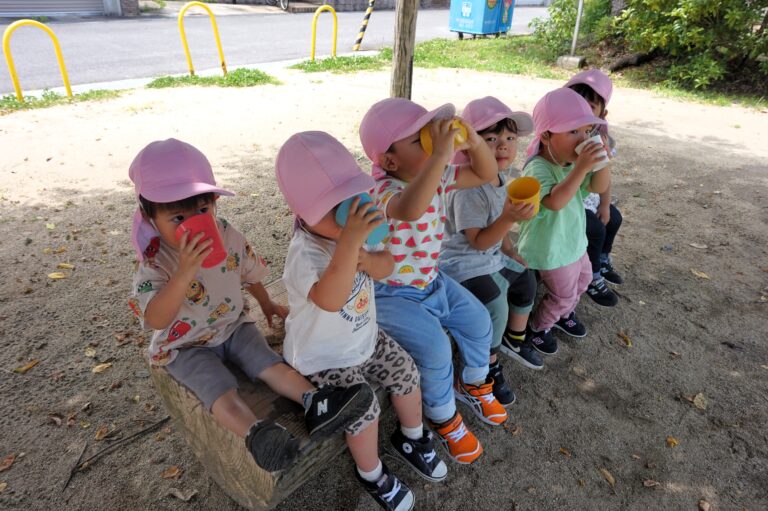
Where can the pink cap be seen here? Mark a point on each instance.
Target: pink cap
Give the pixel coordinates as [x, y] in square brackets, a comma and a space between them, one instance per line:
[559, 111]
[315, 173]
[485, 112]
[394, 119]
[167, 171]
[596, 79]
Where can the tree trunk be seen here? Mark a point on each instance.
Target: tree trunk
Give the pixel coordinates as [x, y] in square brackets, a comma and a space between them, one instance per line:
[617, 6]
[402, 55]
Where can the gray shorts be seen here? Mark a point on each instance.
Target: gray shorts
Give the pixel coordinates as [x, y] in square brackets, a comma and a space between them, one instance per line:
[202, 369]
[390, 366]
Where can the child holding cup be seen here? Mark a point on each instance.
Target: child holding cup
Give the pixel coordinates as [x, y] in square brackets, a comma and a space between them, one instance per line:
[554, 242]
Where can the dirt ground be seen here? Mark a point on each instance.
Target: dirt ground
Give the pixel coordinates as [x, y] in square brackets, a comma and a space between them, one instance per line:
[692, 184]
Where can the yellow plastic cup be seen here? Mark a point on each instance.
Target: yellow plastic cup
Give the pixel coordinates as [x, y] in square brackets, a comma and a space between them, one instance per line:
[426, 137]
[526, 190]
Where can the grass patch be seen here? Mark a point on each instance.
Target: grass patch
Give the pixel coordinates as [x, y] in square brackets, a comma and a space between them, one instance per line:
[344, 64]
[238, 78]
[10, 104]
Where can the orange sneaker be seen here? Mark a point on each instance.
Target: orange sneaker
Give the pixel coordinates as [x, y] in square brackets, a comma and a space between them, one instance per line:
[482, 401]
[460, 443]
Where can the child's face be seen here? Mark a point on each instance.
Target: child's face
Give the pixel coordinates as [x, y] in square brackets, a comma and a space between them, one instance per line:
[563, 145]
[597, 109]
[408, 158]
[327, 226]
[167, 220]
[504, 147]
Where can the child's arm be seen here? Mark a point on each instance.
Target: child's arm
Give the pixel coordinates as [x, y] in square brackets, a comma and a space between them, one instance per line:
[331, 292]
[376, 264]
[563, 192]
[268, 307]
[485, 238]
[604, 209]
[508, 249]
[483, 167]
[163, 307]
[601, 183]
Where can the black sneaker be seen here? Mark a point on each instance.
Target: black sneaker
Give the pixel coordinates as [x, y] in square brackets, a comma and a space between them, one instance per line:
[600, 293]
[420, 455]
[501, 389]
[521, 352]
[544, 342]
[333, 408]
[609, 273]
[571, 326]
[388, 491]
[272, 446]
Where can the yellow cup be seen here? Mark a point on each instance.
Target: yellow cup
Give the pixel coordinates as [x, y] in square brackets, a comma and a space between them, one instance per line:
[426, 137]
[527, 190]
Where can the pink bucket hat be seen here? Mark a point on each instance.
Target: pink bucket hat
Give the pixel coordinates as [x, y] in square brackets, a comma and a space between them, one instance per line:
[559, 111]
[596, 79]
[485, 112]
[167, 171]
[315, 173]
[393, 119]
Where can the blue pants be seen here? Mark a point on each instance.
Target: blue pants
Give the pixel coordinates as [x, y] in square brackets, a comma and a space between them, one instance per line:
[415, 318]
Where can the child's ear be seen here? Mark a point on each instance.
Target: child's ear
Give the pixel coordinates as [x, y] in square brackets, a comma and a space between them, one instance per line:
[544, 138]
[605, 113]
[387, 163]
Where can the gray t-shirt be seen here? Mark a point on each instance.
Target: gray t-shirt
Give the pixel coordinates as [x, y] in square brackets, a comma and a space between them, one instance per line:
[474, 208]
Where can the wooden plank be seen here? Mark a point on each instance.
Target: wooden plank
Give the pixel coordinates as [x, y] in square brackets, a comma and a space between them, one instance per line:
[402, 54]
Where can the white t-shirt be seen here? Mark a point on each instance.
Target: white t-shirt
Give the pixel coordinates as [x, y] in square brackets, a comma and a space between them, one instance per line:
[315, 339]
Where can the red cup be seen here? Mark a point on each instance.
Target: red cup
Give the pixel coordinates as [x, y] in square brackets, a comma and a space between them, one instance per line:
[207, 225]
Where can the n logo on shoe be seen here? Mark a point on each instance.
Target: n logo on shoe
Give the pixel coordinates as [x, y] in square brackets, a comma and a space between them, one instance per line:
[407, 448]
[322, 407]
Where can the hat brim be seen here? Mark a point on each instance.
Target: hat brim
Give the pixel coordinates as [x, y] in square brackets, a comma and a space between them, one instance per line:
[445, 111]
[176, 192]
[360, 183]
[572, 124]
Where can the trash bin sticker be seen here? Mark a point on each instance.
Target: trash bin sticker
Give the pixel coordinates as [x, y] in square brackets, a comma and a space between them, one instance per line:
[505, 12]
[492, 3]
[466, 9]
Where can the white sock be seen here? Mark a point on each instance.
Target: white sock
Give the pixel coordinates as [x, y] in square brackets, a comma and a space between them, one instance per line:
[413, 433]
[373, 475]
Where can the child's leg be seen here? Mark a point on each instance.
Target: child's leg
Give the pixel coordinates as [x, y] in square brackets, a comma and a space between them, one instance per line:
[230, 411]
[611, 229]
[364, 447]
[490, 290]
[562, 294]
[596, 234]
[286, 381]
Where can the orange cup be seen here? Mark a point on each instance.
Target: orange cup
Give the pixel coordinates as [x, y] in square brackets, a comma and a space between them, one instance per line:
[526, 190]
[426, 137]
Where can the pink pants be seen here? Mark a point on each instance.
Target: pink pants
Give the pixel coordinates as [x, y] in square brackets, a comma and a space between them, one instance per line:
[564, 288]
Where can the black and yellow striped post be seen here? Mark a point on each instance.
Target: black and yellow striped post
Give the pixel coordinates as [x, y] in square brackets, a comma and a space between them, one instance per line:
[363, 25]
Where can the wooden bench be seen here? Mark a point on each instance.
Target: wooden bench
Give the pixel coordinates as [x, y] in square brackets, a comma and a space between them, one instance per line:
[223, 454]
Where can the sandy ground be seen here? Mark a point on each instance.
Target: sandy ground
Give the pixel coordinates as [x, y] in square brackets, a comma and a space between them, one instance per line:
[687, 174]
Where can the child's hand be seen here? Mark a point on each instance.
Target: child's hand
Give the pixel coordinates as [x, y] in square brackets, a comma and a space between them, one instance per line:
[192, 253]
[442, 133]
[473, 139]
[362, 220]
[271, 308]
[589, 157]
[517, 211]
[604, 213]
[363, 260]
[517, 257]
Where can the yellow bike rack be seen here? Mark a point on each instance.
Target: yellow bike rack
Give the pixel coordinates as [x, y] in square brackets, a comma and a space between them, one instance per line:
[215, 35]
[12, 68]
[314, 29]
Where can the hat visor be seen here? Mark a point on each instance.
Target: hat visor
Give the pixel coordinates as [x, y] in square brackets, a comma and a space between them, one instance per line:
[445, 111]
[573, 124]
[360, 183]
[179, 191]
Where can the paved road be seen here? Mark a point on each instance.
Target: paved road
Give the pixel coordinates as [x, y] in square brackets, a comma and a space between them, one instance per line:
[101, 50]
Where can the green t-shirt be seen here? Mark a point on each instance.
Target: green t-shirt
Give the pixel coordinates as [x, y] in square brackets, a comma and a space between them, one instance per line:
[553, 239]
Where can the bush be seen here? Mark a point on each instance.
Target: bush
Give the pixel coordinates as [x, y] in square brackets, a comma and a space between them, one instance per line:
[556, 33]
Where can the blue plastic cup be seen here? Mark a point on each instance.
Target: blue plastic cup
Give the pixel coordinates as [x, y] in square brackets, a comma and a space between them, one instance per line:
[342, 212]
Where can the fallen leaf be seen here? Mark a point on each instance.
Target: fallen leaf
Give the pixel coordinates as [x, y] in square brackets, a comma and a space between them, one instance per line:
[641, 302]
[635, 456]
[101, 367]
[700, 246]
[90, 352]
[26, 367]
[650, 483]
[86, 407]
[59, 250]
[136, 399]
[181, 495]
[700, 274]
[101, 433]
[582, 482]
[3, 486]
[57, 275]
[624, 337]
[173, 472]
[55, 418]
[159, 436]
[71, 419]
[50, 225]
[7, 462]
[517, 430]
[565, 452]
[85, 424]
[65, 266]
[700, 401]
[116, 385]
[608, 477]
[674, 354]
[764, 366]
[704, 505]
[672, 441]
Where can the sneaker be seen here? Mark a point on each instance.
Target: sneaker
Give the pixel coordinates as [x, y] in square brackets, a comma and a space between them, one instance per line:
[522, 353]
[501, 389]
[481, 400]
[272, 446]
[420, 455]
[544, 342]
[388, 491]
[460, 443]
[571, 326]
[600, 293]
[609, 273]
[333, 408]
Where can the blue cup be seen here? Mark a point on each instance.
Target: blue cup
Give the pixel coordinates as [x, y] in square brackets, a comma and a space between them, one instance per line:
[342, 212]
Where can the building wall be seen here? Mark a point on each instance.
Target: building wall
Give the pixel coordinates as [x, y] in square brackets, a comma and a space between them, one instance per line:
[129, 7]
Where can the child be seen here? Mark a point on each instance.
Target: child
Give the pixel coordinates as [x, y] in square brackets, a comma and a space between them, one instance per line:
[554, 242]
[603, 218]
[198, 314]
[478, 251]
[415, 302]
[331, 331]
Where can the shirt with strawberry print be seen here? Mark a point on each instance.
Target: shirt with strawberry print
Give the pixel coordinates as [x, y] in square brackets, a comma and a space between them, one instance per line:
[415, 245]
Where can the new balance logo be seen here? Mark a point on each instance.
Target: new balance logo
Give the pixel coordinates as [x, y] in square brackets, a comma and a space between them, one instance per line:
[322, 407]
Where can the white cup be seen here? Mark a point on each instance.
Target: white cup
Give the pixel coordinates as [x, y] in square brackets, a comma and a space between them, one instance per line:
[602, 154]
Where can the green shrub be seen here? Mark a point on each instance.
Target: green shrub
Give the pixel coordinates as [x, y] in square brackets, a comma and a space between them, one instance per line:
[556, 33]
